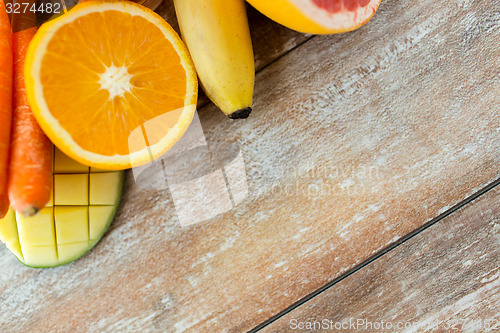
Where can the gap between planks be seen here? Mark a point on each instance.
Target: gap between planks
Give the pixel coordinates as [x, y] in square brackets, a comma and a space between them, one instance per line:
[376, 256]
[205, 104]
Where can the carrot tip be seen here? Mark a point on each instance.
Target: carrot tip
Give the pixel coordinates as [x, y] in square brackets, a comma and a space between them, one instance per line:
[29, 212]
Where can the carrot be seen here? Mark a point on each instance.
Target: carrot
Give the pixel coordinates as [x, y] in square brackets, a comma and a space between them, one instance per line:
[5, 104]
[7, 3]
[30, 166]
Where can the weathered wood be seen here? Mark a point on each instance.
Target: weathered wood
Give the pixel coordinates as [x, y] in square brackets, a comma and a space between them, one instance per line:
[445, 279]
[355, 141]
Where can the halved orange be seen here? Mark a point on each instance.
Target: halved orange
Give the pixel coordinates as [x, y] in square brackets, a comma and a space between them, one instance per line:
[318, 16]
[111, 84]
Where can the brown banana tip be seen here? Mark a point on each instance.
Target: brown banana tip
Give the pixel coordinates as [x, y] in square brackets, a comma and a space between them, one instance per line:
[241, 114]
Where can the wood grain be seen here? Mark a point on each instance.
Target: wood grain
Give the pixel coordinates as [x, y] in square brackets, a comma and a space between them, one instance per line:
[445, 279]
[355, 141]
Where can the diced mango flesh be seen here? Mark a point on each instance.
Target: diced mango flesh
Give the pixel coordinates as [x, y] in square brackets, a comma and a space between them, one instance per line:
[37, 230]
[98, 217]
[51, 202]
[66, 230]
[39, 256]
[65, 164]
[104, 187]
[96, 170]
[68, 252]
[71, 190]
[71, 224]
[8, 227]
[15, 247]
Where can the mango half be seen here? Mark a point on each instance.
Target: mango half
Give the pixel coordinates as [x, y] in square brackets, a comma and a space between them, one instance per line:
[83, 204]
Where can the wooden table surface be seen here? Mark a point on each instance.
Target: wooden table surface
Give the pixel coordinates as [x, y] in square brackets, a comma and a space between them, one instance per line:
[372, 160]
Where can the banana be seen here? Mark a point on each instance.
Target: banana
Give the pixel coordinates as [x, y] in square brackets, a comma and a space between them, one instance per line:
[217, 35]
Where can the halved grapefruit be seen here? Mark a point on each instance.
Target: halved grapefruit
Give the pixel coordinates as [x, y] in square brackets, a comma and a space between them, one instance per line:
[318, 16]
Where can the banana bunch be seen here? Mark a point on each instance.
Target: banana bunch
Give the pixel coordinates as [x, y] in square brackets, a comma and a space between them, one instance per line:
[217, 35]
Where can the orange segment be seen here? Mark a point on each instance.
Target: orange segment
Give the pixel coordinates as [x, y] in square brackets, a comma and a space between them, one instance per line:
[98, 74]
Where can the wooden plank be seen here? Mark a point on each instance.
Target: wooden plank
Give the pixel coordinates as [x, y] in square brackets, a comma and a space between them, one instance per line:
[355, 141]
[271, 40]
[447, 278]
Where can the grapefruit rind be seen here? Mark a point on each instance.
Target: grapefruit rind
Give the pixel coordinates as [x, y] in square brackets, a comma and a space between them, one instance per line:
[342, 21]
[306, 17]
